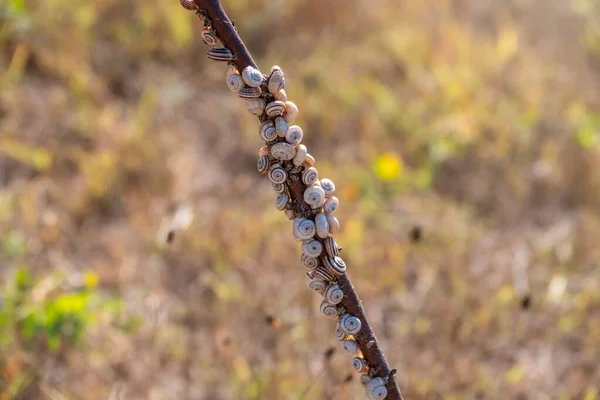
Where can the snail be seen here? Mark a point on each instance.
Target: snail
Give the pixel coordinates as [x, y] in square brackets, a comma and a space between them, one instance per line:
[309, 161]
[334, 265]
[291, 112]
[267, 131]
[322, 273]
[220, 54]
[209, 38]
[314, 195]
[322, 226]
[376, 389]
[294, 135]
[282, 201]
[328, 186]
[350, 346]
[310, 176]
[331, 246]
[312, 248]
[331, 205]
[281, 126]
[276, 81]
[301, 152]
[289, 213]
[284, 151]
[365, 379]
[263, 164]
[339, 333]
[281, 96]
[279, 187]
[189, 5]
[264, 151]
[278, 175]
[350, 324]
[275, 108]
[317, 285]
[249, 92]
[334, 294]
[256, 106]
[334, 224]
[235, 82]
[309, 262]
[328, 310]
[252, 76]
[359, 364]
[304, 229]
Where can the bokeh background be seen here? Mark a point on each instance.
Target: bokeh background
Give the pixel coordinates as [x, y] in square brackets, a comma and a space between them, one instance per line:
[463, 137]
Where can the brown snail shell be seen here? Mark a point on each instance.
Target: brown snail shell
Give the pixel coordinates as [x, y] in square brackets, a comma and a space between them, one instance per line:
[220, 54]
[250, 92]
[359, 365]
[301, 152]
[209, 38]
[350, 346]
[290, 214]
[263, 164]
[334, 294]
[235, 82]
[309, 161]
[315, 284]
[322, 273]
[364, 379]
[283, 151]
[264, 151]
[256, 106]
[252, 76]
[376, 389]
[339, 333]
[275, 108]
[303, 229]
[294, 135]
[279, 187]
[291, 112]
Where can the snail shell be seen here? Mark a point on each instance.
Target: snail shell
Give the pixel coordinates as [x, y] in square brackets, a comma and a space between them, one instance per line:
[331, 246]
[209, 38]
[276, 81]
[281, 126]
[365, 379]
[278, 175]
[309, 262]
[314, 196]
[304, 229]
[267, 131]
[322, 226]
[294, 134]
[309, 161]
[264, 151]
[310, 176]
[322, 273]
[334, 294]
[289, 213]
[334, 224]
[328, 186]
[256, 106]
[312, 248]
[376, 389]
[291, 112]
[316, 285]
[279, 187]
[252, 76]
[283, 151]
[331, 205]
[350, 324]
[335, 265]
[328, 310]
[189, 5]
[282, 201]
[235, 82]
[301, 152]
[220, 54]
[275, 108]
[263, 164]
[359, 364]
[281, 96]
[350, 346]
[250, 92]
[339, 333]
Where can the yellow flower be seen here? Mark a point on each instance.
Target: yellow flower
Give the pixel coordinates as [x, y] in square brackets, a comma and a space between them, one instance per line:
[388, 167]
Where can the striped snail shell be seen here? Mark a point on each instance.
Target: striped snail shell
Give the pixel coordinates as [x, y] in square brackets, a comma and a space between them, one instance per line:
[339, 333]
[283, 151]
[350, 324]
[252, 76]
[250, 92]
[276, 81]
[309, 161]
[291, 112]
[322, 226]
[304, 229]
[301, 152]
[220, 54]
[275, 108]
[316, 285]
[290, 214]
[350, 346]
[322, 273]
[309, 262]
[359, 364]
[376, 389]
[328, 186]
[209, 38]
[279, 187]
[334, 224]
[331, 205]
[282, 201]
[256, 106]
[334, 294]
[310, 176]
[294, 134]
[235, 82]
[281, 96]
[314, 196]
[312, 248]
[278, 175]
[189, 5]
[263, 164]
[331, 246]
[335, 265]
[328, 310]
[365, 379]
[264, 151]
[267, 131]
[281, 126]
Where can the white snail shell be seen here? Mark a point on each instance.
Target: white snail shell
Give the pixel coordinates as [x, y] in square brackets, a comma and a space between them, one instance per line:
[335, 265]
[328, 186]
[278, 175]
[312, 248]
[359, 364]
[209, 38]
[309, 262]
[263, 164]
[267, 131]
[365, 379]
[256, 106]
[281, 126]
[284, 151]
[275, 108]
[322, 273]
[322, 226]
[339, 333]
[334, 294]
[281, 96]
[331, 246]
[276, 81]
[331, 205]
[249, 92]
[220, 54]
[189, 5]
[310, 176]
[290, 214]
[301, 152]
[317, 285]
[252, 76]
[350, 346]
[279, 187]
[282, 201]
[314, 196]
[304, 229]
[291, 112]
[376, 389]
[294, 135]
[350, 324]
[309, 161]
[334, 224]
[235, 82]
[328, 310]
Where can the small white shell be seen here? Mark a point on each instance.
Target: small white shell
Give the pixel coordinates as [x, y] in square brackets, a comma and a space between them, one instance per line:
[256, 106]
[294, 134]
[301, 152]
[279, 187]
[282, 201]
[316, 285]
[328, 186]
[291, 112]
[376, 389]
[350, 346]
[310, 176]
[339, 333]
[304, 229]
[374, 382]
[252, 77]
[249, 92]
[331, 205]
[267, 131]
[334, 294]
[283, 151]
[328, 310]
[309, 262]
[312, 248]
[322, 226]
[365, 379]
[263, 164]
[309, 161]
[276, 81]
[322, 273]
[281, 96]
[275, 108]
[359, 364]
[290, 214]
[350, 324]
[235, 82]
[334, 265]
[331, 246]
[281, 126]
[314, 196]
[334, 224]
[278, 175]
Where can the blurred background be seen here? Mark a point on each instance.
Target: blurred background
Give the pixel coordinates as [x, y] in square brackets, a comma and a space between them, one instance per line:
[464, 140]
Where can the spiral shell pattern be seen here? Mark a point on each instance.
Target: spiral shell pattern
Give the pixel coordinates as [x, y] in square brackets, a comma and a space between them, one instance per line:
[334, 294]
[250, 92]
[328, 186]
[267, 131]
[252, 76]
[304, 228]
[275, 108]
[256, 106]
[335, 265]
[365, 379]
[322, 273]
[276, 81]
[359, 364]
[322, 226]
[263, 164]
[309, 262]
[220, 54]
[339, 333]
[328, 310]
[350, 346]
[278, 175]
[291, 112]
[331, 205]
[209, 38]
[279, 188]
[314, 196]
[310, 176]
[317, 285]
[294, 135]
[350, 324]
[309, 161]
[282, 201]
[283, 151]
[331, 246]
[312, 248]
[235, 82]
[376, 389]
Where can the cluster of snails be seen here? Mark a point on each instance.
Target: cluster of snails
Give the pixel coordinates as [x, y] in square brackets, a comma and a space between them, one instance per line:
[287, 163]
